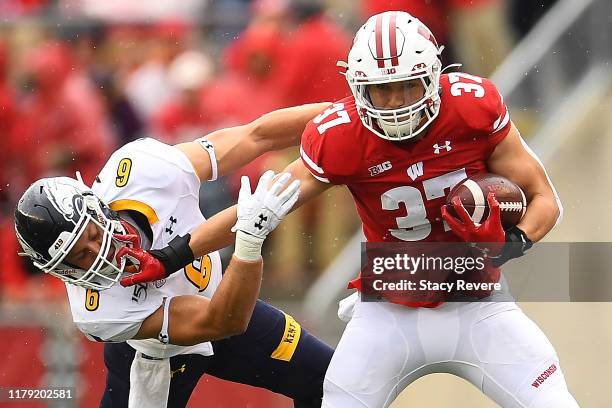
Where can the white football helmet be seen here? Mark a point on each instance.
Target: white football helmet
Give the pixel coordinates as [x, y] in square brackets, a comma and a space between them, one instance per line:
[393, 47]
[52, 215]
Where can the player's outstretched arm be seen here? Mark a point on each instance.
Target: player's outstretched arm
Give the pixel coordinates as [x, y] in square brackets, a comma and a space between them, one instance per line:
[215, 232]
[236, 146]
[193, 319]
[513, 159]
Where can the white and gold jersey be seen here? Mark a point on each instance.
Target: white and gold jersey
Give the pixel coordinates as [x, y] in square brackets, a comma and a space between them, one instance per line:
[158, 181]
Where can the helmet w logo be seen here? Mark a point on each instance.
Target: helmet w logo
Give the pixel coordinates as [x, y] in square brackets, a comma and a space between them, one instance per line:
[424, 31]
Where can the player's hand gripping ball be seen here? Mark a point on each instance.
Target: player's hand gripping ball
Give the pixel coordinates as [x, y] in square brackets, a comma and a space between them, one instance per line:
[473, 192]
[481, 208]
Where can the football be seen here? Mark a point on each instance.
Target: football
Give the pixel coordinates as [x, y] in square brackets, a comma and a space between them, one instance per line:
[473, 193]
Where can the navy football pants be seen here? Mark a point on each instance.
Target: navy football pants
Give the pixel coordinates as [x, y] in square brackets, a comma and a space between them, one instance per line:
[243, 359]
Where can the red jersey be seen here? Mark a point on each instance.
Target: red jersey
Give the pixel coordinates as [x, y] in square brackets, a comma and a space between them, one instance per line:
[399, 187]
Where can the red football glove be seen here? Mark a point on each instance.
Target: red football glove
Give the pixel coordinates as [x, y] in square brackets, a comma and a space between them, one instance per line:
[490, 231]
[150, 268]
[129, 238]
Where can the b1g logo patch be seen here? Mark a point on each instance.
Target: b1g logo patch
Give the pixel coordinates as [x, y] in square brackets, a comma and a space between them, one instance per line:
[379, 168]
[198, 272]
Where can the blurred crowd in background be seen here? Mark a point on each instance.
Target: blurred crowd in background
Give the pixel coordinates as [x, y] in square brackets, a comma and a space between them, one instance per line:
[80, 78]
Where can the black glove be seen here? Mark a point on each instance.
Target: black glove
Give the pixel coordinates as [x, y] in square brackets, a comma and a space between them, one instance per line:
[176, 255]
[517, 242]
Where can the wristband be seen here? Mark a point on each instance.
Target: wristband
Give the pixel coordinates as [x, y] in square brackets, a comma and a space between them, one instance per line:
[517, 242]
[248, 247]
[176, 255]
[210, 149]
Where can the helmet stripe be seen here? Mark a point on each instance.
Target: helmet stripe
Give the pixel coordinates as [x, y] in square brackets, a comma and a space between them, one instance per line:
[379, 42]
[393, 40]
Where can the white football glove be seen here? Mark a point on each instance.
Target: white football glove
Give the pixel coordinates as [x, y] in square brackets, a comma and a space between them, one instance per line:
[260, 212]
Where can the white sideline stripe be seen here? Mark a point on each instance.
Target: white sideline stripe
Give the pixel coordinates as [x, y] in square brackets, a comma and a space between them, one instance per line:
[321, 295]
[479, 201]
[537, 43]
[309, 161]
[587, 93]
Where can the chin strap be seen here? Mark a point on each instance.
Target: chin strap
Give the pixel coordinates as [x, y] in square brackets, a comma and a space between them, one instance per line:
[450, 66]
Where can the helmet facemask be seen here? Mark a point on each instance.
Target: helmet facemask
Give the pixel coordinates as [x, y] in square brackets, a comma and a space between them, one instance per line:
[405, 122]
[79, 208]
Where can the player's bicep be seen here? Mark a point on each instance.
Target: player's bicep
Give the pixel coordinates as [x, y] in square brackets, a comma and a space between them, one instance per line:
[514, 160]
[310, 187]
[188, 322]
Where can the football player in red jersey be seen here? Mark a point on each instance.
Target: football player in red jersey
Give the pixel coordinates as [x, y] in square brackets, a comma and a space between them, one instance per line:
[404, 138]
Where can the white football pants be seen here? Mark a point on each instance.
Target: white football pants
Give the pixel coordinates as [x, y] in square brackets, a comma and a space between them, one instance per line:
[495, 346]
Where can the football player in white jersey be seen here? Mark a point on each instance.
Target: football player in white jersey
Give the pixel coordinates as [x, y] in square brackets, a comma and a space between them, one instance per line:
[191, 320]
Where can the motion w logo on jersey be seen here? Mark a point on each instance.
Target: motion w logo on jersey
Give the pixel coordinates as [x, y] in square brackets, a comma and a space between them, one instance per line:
[415, 171]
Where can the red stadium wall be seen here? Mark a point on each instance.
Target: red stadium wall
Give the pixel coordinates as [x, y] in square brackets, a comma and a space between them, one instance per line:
[22, 366]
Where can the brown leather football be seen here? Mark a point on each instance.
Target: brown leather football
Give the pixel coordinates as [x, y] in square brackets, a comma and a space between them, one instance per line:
[473, 193]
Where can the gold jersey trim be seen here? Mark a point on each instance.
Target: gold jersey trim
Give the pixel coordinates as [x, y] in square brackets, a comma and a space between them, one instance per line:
[146, 210]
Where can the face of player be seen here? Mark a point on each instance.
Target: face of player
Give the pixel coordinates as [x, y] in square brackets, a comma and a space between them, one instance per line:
[87, 248]
[395, 95]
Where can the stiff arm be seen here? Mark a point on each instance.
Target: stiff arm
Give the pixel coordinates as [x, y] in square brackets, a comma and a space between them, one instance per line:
[237, 146]
[215, 233]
